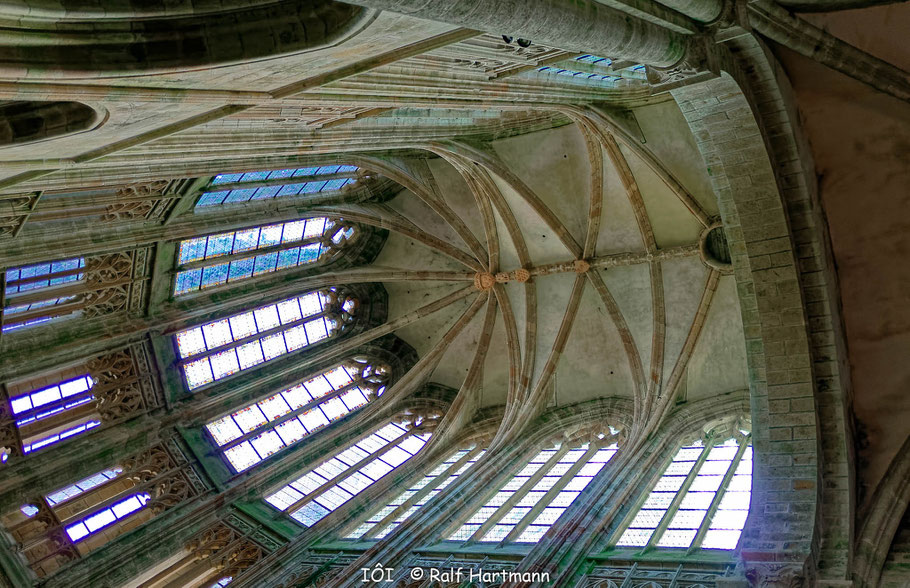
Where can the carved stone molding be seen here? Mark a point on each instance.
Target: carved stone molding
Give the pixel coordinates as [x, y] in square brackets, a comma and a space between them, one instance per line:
[775, 574]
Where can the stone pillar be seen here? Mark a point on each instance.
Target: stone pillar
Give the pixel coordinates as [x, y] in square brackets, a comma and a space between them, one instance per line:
[582, 25]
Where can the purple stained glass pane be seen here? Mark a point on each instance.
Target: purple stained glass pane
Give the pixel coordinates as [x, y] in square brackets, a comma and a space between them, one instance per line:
[266, 193]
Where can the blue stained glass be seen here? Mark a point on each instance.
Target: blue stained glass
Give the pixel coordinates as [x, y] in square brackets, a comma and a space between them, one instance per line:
[215, 274]
[266, 192]
[347, 168]
[270, 235]
[290, 189]
[281, 173]
[306, 171]
[65, 266]
[254, 176]
[288, 257]
[246, 240]
[240, 195]
[241, 268]
[211, 198]
[265, 263]
[312, 187]
[327, 169]
[335, 184]
[310, 253]
[36, 270]
[191, 250]
[188, 281]
[227, 178]
[219, 245]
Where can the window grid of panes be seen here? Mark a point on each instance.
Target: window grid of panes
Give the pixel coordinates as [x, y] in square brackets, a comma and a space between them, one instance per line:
[701, 500]
[33, 409]
[230, 188]
[213, 260]
[24, 296]
[253, 433]
[102, 514]
[535, 497]
[311, 497]
[387, 519]
[222, 348]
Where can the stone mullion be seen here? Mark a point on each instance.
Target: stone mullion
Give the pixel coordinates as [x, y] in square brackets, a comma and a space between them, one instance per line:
[389, 518]
[677, 500]
[718, 496]
[519, 494]
[547, 498]
[252, 253]
[291, 415]
[280, 181]
[254, 337]
[348, 472]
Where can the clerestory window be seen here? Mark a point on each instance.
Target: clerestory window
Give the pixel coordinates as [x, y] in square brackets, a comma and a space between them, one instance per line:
[385, 520]
[701, 500]
[265, 185]
[251, 434]
[222, 348]
[526, 506]
[38, 293]
[314, 495]
[214, 260]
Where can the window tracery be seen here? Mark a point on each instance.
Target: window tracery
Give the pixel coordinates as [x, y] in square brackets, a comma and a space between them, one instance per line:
[214, 260]
[219, 349]
[385, 520]
[50, 408]
[527, 505]
[251, 434]
[81, 286]
[700, 501]
[268, 184]
[68, 523]
[321, 490]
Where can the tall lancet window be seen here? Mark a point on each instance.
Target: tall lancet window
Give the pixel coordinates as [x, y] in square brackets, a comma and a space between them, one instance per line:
[222, 348]
[700, 501]
[528, 504]
[38, 293]
[265, 185]
[385, 520]
[315, 494]
[224, 258]
[251, 434]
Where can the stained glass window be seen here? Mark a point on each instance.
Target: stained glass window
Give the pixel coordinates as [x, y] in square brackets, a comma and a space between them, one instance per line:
[254, 432]
[38, 293]
[224, 347]
[387, 519]
[314, 495]
[535, 497]
[33, 411]
[701, 500]
[105, 517]
[214, 260]
[596, 70]
[265, 185]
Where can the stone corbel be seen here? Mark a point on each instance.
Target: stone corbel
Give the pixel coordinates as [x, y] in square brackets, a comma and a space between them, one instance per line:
[697, 64]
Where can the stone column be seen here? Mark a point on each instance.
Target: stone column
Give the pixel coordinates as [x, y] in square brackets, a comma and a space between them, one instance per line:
[582, 25]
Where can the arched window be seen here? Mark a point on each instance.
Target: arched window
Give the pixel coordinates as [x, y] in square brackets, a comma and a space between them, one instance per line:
[700, 501]
[592, 69]
[222, 348]
[385, 520]
[265, 185]
[529, 503]
[249, 435]
[312, 496]
[76, 519]
[213, 260]
[38, 293]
